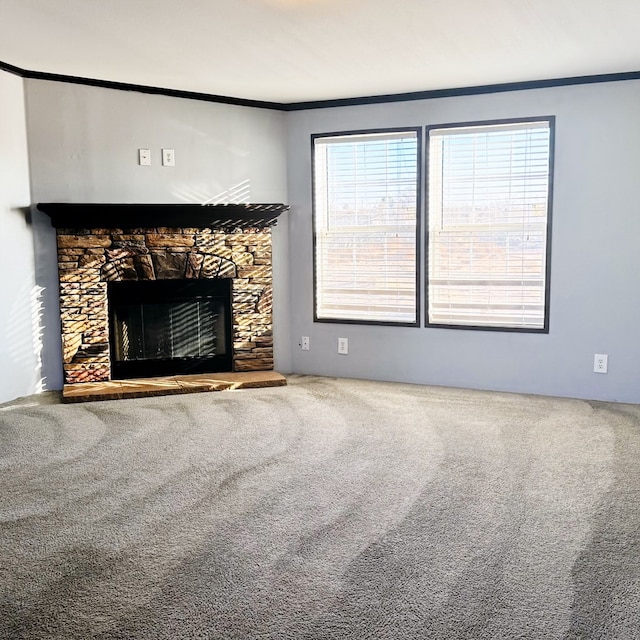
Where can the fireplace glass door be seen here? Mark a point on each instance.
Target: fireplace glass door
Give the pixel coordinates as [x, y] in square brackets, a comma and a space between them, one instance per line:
[169, 327]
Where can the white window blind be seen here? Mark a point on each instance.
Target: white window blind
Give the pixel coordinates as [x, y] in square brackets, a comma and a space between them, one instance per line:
[365, 217]
[488, 216]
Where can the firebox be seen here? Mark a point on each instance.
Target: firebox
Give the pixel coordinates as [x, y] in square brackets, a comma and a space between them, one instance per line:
[169, 327]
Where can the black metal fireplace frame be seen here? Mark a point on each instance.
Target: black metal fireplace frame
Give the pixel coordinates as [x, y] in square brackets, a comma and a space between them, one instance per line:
[150, 291]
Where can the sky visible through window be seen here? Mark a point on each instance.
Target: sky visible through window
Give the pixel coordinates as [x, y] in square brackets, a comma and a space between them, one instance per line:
[494, 176]
[370, 180]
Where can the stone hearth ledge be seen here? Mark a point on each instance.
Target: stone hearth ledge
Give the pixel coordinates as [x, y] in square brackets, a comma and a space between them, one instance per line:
[170, 385]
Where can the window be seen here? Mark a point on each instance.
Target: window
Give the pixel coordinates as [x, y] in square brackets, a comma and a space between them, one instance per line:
[489, 225]
[365, 226]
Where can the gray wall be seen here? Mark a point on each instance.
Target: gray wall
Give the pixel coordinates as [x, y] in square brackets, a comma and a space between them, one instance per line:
[19, 321]
[595, 297]
[83, 147]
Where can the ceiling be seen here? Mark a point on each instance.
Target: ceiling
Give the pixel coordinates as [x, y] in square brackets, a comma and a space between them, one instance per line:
[305, 50]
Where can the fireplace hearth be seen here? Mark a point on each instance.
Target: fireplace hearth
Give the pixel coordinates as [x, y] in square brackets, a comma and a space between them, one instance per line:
[134, 277]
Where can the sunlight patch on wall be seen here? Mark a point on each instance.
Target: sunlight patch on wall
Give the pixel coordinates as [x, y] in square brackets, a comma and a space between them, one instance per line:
[237, 194]
[24, 348]
[37, 330]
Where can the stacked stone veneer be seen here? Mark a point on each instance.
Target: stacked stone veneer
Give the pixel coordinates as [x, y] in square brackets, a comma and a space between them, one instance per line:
[89, 259]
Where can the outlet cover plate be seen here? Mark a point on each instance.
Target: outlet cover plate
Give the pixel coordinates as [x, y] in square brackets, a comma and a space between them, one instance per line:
[600, 363]
[168, 158]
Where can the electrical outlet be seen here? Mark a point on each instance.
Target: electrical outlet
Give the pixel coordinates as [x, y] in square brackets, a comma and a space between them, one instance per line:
[144, 157]
[343, 346]
[168, 158]
[305, 343]
[600, 363]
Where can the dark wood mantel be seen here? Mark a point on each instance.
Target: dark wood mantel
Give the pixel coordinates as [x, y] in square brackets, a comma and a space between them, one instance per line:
[127, 216]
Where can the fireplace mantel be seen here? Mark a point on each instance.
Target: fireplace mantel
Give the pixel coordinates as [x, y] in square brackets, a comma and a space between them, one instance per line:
[126, 216]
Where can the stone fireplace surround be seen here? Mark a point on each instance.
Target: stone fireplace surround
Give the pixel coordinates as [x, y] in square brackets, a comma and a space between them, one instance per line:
[99, 243]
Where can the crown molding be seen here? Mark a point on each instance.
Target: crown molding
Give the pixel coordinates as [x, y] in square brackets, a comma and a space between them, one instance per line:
[325, 104]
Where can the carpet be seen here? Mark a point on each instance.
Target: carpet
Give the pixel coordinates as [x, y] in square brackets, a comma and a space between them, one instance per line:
[326, 509]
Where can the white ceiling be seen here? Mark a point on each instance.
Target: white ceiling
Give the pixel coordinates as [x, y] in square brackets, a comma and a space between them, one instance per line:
[301, 50]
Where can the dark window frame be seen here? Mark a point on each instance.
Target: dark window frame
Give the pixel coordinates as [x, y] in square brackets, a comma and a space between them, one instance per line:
[551, 120]
[419, 132]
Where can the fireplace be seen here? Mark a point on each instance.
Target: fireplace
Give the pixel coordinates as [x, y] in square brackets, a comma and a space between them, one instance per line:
[154, 290]
[169, 327]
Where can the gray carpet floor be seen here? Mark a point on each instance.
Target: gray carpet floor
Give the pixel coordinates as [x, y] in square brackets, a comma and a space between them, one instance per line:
[327, 509]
